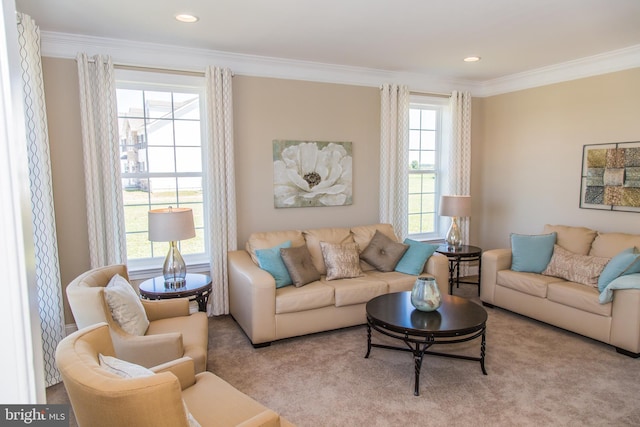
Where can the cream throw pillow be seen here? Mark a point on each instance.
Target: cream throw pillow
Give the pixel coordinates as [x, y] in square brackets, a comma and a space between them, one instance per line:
[342, 261]
[584, 269]
[125, 369]
[126, 308]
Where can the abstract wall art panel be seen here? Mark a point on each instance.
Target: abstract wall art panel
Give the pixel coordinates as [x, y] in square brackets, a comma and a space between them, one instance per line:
[611, 177]
[311, 173]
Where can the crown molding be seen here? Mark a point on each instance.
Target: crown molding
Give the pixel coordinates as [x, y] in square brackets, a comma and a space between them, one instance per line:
[153, 55]
[608, 62]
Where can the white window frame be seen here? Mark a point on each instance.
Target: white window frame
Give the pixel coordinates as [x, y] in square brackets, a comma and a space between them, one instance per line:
[147, 80]
[439, 104]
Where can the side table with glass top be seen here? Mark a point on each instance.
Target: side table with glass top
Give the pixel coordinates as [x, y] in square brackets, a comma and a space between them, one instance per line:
[197, 287]
[457, 255]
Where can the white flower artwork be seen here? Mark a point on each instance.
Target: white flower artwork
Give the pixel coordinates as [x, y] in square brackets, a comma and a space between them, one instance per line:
[309, 174]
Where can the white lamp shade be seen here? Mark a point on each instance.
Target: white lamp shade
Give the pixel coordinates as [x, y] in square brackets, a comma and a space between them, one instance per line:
[171, 224]
[458, 206]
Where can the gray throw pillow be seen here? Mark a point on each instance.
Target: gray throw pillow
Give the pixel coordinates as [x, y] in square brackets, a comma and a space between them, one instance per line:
[299, 264]
[383, 253]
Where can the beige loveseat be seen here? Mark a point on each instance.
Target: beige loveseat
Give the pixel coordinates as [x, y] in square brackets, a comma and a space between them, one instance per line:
[566, 304]
[267, 314]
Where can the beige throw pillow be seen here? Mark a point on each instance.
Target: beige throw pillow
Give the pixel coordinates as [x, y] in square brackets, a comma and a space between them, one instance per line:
[584, 269]
[126, 308]
[383, 253]
[299, 264]
[342, 261]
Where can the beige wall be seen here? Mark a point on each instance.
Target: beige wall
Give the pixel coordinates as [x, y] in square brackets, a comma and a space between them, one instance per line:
[528, 154]
[264, 110]
[267, 109]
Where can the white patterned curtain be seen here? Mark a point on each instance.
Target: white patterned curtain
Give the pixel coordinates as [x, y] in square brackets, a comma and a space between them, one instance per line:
[220, 179]
[44, 226]
[457, 154]
[101, 151]
[394, 157]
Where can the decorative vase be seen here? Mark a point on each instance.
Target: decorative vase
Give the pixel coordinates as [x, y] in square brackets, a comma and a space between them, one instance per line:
[425, 295]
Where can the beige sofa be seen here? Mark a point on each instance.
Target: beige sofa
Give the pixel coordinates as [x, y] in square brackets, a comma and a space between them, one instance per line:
[131, 398]
[267, 314]
[568, 305]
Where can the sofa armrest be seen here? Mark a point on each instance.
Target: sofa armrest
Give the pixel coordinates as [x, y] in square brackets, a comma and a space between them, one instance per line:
[252, 297]
[166, 308]
[266, 418]
[182, 368]
[625, 320]
[438, 266]
[147, 350]
[493, 261]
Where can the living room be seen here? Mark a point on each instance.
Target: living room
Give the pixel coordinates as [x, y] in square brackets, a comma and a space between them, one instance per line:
[527, 142]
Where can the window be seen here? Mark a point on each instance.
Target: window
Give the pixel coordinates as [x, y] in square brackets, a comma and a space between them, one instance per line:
[161, 152]
[425, 136]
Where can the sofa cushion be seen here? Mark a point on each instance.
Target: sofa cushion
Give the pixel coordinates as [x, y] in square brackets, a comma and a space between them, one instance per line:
[414, 259]
[299, 265]
[357, 291]
[578, 296]
[125, 306]
[574, 239]
[625, 262]
[528, 283]
[610, 244]
[396, 281]
[383, 253]
[531, 254]
[342, 261]
[314, 295]
[269, 239]
[271, 261]
[584, 269]
[330, 235]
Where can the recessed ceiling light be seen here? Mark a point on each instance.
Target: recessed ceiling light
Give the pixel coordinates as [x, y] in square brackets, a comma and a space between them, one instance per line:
[472, 59]
[185, 17]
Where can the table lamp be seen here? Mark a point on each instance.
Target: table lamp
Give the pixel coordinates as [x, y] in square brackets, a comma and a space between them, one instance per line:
[455, 207]
[171, 225]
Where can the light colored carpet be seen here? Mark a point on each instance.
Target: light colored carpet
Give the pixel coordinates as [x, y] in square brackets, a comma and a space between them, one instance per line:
[538, 375]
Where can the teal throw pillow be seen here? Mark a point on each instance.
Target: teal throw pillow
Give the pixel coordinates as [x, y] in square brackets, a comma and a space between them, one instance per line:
[626, 262]
[271, 261]
[531, 254]
[413, 260]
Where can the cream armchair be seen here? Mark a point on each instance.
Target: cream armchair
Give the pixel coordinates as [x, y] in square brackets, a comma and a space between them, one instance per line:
[172, 332]
[103, 399]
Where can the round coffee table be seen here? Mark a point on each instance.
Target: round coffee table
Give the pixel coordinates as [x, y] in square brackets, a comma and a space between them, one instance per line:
[456, 320]
[197, 288]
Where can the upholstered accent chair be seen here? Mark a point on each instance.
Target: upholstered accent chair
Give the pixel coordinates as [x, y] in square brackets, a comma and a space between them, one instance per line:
[172, 332]
[169, 395]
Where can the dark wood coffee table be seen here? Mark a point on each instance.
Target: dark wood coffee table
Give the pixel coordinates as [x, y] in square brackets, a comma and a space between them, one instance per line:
[456, 320]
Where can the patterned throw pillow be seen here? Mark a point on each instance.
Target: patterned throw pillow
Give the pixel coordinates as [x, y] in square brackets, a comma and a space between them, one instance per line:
[300, 266]
[584, 269]
[342, 261]
[383, 253]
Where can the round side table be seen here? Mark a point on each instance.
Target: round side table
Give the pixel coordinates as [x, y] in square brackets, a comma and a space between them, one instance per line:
[197, 288]
[457, 255]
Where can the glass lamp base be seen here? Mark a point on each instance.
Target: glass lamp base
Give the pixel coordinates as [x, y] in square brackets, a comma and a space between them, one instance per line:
[454, 235]
[174, 269]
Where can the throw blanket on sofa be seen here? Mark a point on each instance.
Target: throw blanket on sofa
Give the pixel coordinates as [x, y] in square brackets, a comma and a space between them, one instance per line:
[629, 281]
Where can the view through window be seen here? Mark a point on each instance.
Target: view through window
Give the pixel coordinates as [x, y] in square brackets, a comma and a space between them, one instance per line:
[161, 162]
[424, 142]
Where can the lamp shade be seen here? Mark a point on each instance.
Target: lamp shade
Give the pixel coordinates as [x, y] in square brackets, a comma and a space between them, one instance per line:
[171, 224]
[457, 206]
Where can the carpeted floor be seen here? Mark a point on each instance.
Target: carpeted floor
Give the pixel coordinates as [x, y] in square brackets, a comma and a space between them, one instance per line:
[538, 375]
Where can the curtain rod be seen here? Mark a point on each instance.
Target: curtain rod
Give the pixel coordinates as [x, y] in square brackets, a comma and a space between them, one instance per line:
[440, 95]
[158, 69]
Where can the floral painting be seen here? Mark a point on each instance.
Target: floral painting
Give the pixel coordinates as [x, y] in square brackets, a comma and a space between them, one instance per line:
[316, 173]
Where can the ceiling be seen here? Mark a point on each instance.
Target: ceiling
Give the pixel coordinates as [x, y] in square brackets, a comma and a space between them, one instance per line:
[428, 37]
